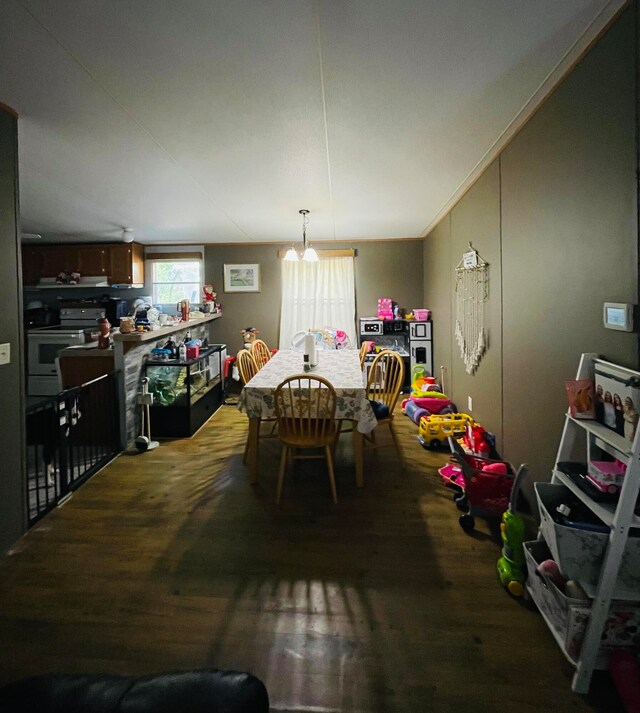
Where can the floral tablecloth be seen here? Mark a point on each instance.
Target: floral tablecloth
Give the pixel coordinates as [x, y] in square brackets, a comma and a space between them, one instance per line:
[340, 367]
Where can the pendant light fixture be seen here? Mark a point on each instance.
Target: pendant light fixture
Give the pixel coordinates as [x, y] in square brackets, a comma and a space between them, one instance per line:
[308, 253]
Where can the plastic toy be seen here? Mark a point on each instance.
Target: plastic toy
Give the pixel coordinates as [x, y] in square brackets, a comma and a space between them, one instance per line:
[625, 672]
[385, 308]
[483, 485]
[414, 411]
[437, 428]
[511, 565]
[479, 442]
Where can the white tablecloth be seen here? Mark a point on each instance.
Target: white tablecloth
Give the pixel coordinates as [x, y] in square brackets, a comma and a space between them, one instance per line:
[340, 367]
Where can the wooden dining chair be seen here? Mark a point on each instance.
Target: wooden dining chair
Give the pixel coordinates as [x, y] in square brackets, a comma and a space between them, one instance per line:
[248, 369]
[260, 353]
[305, 411]
[386, 376]
[246, 365]
[364, 350]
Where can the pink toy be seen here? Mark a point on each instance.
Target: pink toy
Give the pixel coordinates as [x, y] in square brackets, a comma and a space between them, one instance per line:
[385, 308]
[549, 568]
[342, 339]
[625, 672]
[433, 405]
[499, 468]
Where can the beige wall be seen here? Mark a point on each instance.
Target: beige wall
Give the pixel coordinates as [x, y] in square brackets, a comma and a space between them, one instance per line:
[12, 488]
[556, 219]
[382, 269]
[476, 220]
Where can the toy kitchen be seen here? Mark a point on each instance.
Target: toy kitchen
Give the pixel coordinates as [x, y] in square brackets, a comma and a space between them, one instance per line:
[411, 338]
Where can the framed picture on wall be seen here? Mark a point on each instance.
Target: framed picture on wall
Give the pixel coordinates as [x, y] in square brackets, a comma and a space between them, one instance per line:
[242, 278]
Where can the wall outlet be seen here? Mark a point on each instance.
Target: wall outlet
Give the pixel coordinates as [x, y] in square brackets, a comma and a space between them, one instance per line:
[5, 353]
[469, 404]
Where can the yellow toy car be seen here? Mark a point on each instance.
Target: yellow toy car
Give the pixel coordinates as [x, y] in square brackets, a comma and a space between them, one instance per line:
[435, 429]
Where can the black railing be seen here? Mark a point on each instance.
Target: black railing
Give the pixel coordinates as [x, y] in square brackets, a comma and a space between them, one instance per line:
[69, 438]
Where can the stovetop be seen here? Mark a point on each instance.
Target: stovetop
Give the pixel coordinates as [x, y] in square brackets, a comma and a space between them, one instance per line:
[61, 329]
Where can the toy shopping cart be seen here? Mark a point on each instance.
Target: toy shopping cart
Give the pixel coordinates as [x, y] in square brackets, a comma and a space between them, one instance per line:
[482, 485]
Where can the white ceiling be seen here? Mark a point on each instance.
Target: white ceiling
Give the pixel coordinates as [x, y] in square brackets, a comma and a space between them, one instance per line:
[213, 121]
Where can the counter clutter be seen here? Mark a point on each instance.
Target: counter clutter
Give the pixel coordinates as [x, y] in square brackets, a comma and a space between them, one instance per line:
[132, 351]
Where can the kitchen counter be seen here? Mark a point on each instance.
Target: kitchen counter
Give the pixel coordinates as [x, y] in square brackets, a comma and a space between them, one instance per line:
[77, 368]
[131, 351]
[86, 350]
[158, 334]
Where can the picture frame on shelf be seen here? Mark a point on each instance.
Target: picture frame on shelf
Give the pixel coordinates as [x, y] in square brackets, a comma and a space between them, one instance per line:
[242, 277]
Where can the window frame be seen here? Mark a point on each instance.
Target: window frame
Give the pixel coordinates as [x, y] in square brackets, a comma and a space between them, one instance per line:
[175, 258]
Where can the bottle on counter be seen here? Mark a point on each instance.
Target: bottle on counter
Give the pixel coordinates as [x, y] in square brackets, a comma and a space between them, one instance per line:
[182, 352]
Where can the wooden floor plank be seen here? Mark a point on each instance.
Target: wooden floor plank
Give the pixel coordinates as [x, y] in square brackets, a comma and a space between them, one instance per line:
[172, 560]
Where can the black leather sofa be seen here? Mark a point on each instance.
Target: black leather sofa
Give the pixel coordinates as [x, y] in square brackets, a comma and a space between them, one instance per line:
[204, 691]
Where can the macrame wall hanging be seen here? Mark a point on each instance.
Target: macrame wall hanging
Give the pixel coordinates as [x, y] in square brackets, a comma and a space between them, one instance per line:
[472, 290]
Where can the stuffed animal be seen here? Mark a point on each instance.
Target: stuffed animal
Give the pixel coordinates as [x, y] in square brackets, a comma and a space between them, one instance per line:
[249, 334]
[208, 294]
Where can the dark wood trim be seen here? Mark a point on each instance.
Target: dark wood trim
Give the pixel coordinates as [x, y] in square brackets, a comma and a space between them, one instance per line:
[9, 110]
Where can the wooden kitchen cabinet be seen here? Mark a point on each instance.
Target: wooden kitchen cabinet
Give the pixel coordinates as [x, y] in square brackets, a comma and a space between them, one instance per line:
[126, 264]
[119, 263]
[93, 260]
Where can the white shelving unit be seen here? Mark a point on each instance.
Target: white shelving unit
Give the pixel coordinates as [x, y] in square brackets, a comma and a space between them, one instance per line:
[619, 518]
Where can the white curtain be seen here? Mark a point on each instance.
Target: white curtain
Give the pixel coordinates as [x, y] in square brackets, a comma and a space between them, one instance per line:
[317, 294]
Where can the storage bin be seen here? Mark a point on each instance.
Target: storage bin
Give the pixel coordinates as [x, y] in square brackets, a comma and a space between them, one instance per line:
[569, 617]
[421, 315]
[580, 553]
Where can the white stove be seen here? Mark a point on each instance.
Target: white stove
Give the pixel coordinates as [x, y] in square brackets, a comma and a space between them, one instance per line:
[44, 343]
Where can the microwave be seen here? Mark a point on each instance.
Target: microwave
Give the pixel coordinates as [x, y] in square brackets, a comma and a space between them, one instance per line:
[370, 327]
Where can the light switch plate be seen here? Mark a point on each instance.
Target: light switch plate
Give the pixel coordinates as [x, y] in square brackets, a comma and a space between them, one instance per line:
[5, 353]
[469, 404]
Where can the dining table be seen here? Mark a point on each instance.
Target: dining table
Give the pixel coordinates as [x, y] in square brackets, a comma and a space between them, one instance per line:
[340, 367]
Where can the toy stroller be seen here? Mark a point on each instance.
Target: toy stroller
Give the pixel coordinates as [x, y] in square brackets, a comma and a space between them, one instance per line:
[484, 485]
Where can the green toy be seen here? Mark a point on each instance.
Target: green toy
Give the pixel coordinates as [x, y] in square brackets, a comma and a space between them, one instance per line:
[511, 565]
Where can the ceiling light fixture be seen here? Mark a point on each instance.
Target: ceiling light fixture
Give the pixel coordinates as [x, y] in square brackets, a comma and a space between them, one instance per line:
[308, 253]
[127, 235]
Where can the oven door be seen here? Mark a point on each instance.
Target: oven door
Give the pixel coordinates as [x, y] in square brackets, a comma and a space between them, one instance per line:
[44, 348]
[420, 330]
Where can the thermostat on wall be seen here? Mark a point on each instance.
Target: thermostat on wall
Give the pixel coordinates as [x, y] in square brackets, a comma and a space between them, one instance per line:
[618, 315]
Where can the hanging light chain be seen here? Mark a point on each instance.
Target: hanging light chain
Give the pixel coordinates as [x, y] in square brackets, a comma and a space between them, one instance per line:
[304, 213]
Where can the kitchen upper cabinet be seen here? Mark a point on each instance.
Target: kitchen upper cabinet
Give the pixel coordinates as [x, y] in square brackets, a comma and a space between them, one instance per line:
[33, 258]
[119, 263]
[126, 264]
[93, 260]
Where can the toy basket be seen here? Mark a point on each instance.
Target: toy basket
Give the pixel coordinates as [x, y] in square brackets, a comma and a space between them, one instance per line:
[421, 315]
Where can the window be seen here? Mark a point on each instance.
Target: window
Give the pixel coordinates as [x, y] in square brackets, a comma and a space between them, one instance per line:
[176, 279]
[317, 295]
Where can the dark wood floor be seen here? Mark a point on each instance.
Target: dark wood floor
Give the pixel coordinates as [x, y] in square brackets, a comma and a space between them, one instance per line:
[171, 560]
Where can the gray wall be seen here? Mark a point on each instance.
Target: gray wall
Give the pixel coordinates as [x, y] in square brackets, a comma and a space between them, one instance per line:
[12, 501]
[555, 217]
[382, 269]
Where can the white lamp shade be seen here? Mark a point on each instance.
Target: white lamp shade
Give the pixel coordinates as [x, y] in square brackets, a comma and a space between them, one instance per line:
[310, 255]
[291, 255]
